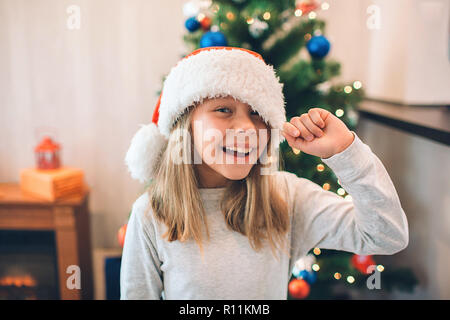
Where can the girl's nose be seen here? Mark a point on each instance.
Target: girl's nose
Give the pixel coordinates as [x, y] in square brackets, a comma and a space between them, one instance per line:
[244, 124]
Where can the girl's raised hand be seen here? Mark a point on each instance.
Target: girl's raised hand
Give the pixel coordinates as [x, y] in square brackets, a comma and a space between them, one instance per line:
[318, 133]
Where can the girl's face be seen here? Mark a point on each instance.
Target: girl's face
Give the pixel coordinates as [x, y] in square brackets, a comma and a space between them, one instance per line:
[221, 124]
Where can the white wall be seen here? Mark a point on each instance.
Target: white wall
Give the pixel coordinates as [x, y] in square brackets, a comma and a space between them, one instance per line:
[406, 60]
[92, 86]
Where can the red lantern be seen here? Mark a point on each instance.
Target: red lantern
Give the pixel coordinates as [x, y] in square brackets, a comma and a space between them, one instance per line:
[299, 288]
[47, 154]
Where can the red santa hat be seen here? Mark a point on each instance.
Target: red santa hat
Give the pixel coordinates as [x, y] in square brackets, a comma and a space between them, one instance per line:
[207, 73]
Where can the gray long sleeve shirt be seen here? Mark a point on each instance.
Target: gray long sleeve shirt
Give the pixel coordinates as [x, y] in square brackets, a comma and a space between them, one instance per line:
[371, 222]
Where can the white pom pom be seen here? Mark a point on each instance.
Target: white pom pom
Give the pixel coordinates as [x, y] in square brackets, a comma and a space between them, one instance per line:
[144, 152]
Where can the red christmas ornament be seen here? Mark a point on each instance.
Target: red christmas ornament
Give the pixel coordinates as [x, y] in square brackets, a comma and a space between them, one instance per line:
[206, 23]
[47, 154]
[361, 263]
[307, 6]
[299, 288]
[121, 234]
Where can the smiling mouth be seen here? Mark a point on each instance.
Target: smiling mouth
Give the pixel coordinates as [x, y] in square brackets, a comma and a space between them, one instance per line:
[236, 153]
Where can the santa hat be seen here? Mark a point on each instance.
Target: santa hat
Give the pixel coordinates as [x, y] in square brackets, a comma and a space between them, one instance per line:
[207, 73]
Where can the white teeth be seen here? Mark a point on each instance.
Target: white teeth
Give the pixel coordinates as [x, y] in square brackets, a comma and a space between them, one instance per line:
[240, 150]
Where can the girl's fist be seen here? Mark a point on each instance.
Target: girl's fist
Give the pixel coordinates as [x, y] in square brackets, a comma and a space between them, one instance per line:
[317, 132]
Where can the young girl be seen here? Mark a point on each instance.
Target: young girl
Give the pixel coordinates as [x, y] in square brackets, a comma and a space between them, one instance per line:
[232, 229]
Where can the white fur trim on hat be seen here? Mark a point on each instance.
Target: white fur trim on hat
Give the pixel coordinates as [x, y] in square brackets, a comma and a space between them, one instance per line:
[144, 152]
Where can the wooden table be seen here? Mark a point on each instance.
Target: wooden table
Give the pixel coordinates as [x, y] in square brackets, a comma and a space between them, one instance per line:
[68, 218]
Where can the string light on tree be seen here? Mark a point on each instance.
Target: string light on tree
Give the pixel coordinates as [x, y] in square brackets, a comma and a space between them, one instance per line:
[357, 85]
[325, 6]
[320, 167]
[340, 191]
[350, 279]
[339, 113]
[266, 15]
[312, 15]
[326, 186]
[298, 13]
[347, 89]
[230, 15]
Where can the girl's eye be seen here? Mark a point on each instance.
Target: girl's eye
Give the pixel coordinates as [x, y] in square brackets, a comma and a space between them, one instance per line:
[255, 113]
[222, 109]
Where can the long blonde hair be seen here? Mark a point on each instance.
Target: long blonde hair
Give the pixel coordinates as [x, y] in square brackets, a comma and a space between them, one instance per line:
[252, 206]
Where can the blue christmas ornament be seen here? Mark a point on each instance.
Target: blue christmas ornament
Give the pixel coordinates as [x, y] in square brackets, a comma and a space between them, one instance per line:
[318, 46]
[213, 39]
[312, 277]
[308, 276]
[304, 274]
[192, 24]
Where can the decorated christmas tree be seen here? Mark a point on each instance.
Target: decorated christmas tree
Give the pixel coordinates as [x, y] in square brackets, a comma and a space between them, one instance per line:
[290, 35]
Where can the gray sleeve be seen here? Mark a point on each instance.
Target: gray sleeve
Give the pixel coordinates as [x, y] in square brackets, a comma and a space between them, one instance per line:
[371, 222]
[140, 274]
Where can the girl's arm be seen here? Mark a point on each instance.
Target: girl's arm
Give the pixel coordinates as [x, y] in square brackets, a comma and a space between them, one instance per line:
[140, 274]
[372, 222]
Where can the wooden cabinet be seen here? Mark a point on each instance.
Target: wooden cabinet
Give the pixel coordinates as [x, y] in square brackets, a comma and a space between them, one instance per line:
[68, 218]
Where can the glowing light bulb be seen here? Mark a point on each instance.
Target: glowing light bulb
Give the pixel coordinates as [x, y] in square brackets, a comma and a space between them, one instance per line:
[339, 113]
[357, 85]
[350, 279]
[230, 15]
[325, 6]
